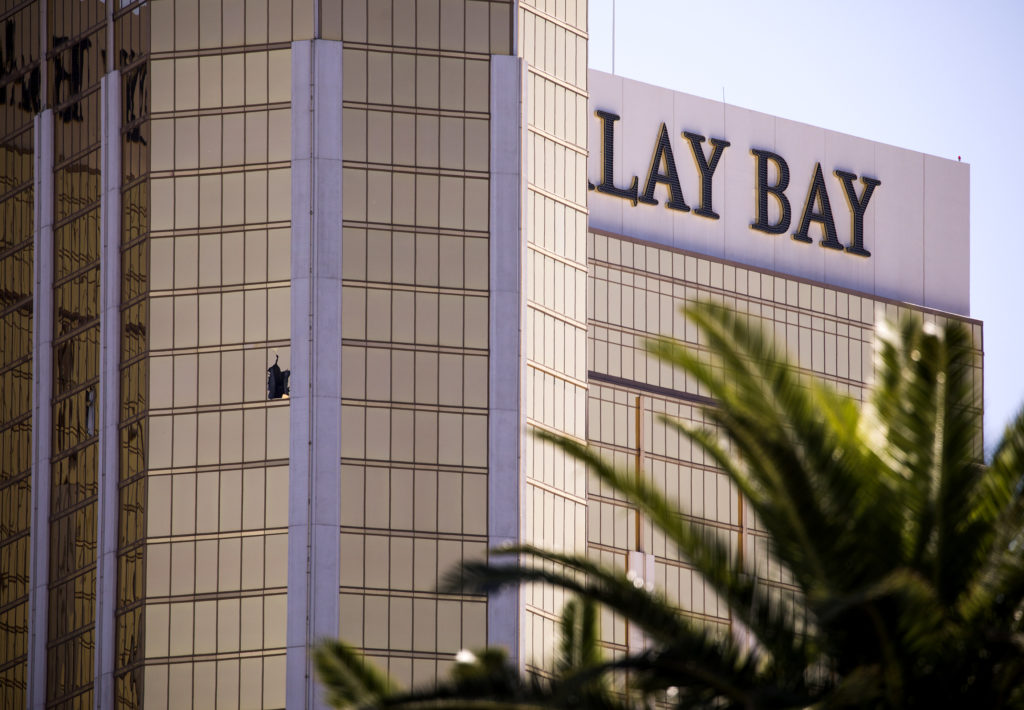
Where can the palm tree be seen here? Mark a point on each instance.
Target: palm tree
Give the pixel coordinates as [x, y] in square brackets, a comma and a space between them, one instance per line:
[905, 546]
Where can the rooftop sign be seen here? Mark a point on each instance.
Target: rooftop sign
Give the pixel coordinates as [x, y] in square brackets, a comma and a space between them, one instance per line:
[745, 186]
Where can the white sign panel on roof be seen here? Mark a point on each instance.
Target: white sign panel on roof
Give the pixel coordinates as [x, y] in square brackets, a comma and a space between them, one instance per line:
[724, 181]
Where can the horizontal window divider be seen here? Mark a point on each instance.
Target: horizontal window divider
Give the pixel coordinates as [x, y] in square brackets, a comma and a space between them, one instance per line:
[551, 430]
[139, 59]
[127, 363]
[220, 51]
[192, 658]
[220, 170]
[134, 242]
[93, 206]
[763, 271]
[70, 160]
[218, 467]
[93, 322]
[78, 448]
[581, 208]
[412, 533]
[26, 241]
[550, 616]
[23, 303]
[85, 91]
[226, 347]
[726, 293]
[11, 480]
[598, 445]
[218, 110]
[68, 42]
[416, 466]
[578, 149]
[665, 392]
[537, 483]
[411, 594]
[138, 181]
[221, 407]
[390, 463]
[415, 288]
[223, 535]
[580, 325]
[220, 229]
[631, 333]
[20, 187]
[415, 406]
[416, 110]
[534, 69]
[415, 347]
[555, 20]
[417, 51]
[126, 482]
[407, 169]
[416, 229]
[4, 608]
[687, 517]
[70, 636]
[207, 290]
[578, 265]
[81, 572]
[129, 303]
[77, 274]
[59, 397]
[568, 379]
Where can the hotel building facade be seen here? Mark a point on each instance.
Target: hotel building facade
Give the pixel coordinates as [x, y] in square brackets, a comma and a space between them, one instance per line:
[451, 234]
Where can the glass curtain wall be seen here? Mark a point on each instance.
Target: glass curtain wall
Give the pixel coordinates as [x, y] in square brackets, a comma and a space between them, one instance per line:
[131, 46]
[76, 60]
[635, 293]
[214, 302]
[552, 38]
[415, 325]
[19, 101]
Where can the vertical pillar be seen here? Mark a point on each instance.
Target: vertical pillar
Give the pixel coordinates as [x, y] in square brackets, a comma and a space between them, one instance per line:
[314, 515]
[506, 421]
[109, 389]
[42, 392]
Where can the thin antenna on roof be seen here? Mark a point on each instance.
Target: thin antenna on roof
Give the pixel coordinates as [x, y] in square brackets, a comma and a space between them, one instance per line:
[613, 36]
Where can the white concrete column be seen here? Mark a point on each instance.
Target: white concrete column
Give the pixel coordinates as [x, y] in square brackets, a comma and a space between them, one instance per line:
[314, 516]
[109, 388]
[506, 421]
[42, 392]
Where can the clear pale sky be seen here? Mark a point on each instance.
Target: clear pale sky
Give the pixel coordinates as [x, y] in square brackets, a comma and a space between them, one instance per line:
[945, 78]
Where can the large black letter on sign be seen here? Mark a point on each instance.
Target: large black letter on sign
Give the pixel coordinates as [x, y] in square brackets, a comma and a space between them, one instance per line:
[777, 191]
[707, 170]
[608, 160]
[663, 153]
[857, 208]
[818, 194]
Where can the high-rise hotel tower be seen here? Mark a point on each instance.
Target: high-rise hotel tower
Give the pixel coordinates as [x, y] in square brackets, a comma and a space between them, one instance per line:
[449, 234]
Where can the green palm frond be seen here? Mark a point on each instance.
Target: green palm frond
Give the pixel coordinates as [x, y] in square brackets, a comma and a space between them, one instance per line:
[800, 455]
[997, 588]
[579, 647]
[923, 406]
[577, 575]
[749, 603]
[350, 680]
